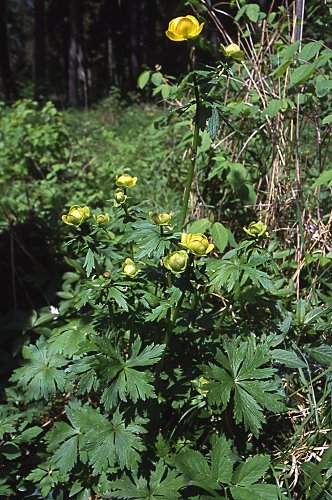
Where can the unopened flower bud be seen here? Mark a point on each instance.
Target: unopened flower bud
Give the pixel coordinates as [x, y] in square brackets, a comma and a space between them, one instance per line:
[256, 229]
[177, 261]
[198, 244]
[232, 52]
[102, 218]
[119, 197]
[160, 218]
[129, 268]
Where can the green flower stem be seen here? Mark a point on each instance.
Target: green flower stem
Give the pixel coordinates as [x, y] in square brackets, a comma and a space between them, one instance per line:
[194, 147]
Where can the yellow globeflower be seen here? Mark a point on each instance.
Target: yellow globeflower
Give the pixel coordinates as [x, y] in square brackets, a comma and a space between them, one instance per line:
[129, 268]
[76, 215]
[119, 197]
[126, 181]
[233, 51]
[183, 28]
[197, 243]
[102, 218]
[256, 229]
[160, 218]
[176, 262]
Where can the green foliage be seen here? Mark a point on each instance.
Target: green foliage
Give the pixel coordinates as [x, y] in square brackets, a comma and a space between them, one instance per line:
[202, 382]
[219, 474]
[241, 374]
[41, 376]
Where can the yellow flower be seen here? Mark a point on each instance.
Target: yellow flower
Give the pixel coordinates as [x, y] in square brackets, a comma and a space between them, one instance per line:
[197, 243]
[233, 51]
[160, 218]
[101, 218]
[119, 197]
[126, 181]
[183, 28]
[202, 381]
[176, 262]
[129, 268]
[76, 215]
[256, 229]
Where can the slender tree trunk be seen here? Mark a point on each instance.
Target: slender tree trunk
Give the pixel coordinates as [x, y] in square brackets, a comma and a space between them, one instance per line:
[39, 48]
[75, 52]
[151, 15]
[134, 46]
[110, 44]
[7, 78]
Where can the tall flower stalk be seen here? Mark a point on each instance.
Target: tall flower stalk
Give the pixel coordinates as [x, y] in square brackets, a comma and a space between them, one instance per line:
[191, 170]
[183, 29]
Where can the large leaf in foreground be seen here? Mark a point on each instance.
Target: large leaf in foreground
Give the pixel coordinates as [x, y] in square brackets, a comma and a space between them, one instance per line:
[240, 373]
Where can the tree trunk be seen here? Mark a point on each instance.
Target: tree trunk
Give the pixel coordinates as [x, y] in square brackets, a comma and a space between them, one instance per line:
[76, 72]
[134, 45]
[7, 78]
[151, 16]
[39, 49]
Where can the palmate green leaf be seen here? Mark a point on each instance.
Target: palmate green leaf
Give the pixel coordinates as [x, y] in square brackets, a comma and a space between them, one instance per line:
[83, 371]
[42, 375]
[241, 373]
[96, 440]
[196, 470]
[63, 441]
[109, 442]
[126, 380]
[68, 338]
[163, 484]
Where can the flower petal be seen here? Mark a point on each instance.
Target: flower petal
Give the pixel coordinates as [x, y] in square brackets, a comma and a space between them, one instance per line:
[173, 24]
[194, 20]
[175, 38]
[197, 32]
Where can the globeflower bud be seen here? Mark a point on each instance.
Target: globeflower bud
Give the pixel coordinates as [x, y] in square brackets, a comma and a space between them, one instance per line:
[177, 261]
[232, 52]
[198, 244]
[183, 28]
[202, 382]
[129, 268]
[256, 229]
[119, 197]
[160, 218]
[126, 181]
[102, 218]
[76, 215]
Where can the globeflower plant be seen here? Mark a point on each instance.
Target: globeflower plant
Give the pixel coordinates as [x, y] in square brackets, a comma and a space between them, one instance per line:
[184, 28]
[102, 218]
[126, 181]
[176, 262]
[76, 215]
[119, 197]
[232, 52]
[129, 268]
[160, 218]
[198, 244]
[256, 229]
